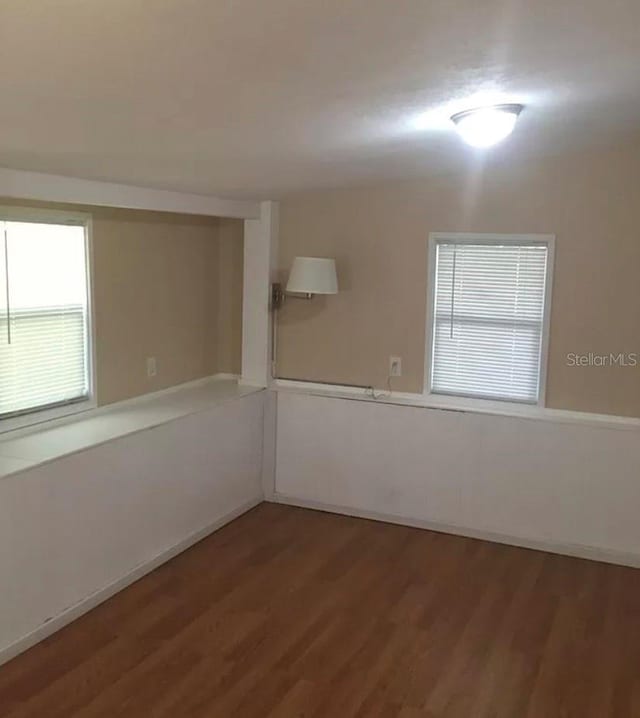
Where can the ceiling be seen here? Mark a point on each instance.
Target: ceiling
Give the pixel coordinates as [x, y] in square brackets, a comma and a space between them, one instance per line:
[259, 98]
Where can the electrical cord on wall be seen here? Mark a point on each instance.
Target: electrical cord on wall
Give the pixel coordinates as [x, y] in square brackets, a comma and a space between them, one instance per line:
[371, 391]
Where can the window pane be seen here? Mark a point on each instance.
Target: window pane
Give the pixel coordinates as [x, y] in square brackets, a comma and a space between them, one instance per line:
[43, 323]
[488, 324]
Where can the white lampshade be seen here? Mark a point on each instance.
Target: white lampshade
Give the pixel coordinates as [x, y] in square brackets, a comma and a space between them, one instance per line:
[313, 275]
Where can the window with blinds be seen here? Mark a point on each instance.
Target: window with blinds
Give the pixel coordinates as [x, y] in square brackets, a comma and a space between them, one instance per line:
[44, 322]
[488, 325]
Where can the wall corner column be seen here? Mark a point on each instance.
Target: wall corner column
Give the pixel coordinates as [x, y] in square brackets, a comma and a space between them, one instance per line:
[260, 266]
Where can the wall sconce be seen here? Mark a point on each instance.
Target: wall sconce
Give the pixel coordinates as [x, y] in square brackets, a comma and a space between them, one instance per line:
[308, 276]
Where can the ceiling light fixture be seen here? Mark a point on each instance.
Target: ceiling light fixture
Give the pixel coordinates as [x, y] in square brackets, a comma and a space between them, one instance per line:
[486, 126]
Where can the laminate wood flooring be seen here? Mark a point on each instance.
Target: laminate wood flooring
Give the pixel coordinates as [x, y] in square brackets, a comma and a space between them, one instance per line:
[290, 613]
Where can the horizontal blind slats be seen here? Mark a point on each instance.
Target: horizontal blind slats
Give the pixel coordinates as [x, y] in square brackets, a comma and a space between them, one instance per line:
[488, 317]
[46, 361]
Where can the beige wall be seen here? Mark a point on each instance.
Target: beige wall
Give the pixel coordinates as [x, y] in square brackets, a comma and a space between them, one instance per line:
[157, 281]
[228, 347]
[591, 202]
[167, 286]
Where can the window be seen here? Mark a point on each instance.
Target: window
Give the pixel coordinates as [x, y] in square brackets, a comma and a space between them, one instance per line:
[489, 307]
[45, 352]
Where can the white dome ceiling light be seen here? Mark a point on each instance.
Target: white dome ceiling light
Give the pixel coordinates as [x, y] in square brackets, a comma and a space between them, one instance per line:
[486, 126]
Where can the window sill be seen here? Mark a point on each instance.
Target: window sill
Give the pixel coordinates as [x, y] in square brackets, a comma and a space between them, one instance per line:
[469, 406]
[45, 418]
[25, 449]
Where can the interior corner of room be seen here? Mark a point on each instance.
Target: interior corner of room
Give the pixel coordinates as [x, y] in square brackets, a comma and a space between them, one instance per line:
[257, 364]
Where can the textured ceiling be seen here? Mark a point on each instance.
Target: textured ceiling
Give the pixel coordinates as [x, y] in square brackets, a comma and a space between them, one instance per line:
[260, 98]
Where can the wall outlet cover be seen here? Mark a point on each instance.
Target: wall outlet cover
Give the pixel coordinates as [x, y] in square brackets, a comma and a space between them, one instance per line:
[151, 367]
[395, 366]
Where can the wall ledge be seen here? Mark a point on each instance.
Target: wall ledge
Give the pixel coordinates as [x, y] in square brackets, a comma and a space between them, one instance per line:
[535, 413]
[27, 448]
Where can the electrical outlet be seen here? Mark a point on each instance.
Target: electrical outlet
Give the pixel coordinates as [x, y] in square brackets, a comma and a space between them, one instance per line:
[395, 366]
[151, 367]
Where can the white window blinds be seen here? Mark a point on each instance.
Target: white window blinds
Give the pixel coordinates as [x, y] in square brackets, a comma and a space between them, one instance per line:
[44, 346]
[488, 324]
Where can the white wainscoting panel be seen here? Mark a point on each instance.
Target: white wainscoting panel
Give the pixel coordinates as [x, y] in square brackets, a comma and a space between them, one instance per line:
[77, 529]
[569, 488]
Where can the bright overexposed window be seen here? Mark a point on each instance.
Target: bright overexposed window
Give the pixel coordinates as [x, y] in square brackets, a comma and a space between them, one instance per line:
[489, 316]
[45, 353]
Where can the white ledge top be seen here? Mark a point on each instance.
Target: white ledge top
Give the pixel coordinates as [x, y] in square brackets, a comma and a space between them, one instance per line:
[48, 441]
[469, 406]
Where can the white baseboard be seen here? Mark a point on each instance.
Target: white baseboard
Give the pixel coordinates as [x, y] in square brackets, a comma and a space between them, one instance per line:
[592, 553]
[86, 604]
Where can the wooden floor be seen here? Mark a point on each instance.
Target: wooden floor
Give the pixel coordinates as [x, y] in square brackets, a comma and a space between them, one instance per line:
[290, 613]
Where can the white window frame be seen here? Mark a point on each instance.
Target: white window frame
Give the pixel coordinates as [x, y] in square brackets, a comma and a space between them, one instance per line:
[54, 216]
[468, 402]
